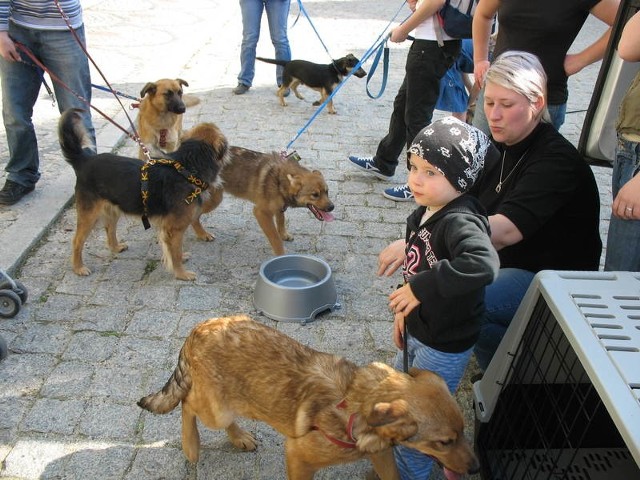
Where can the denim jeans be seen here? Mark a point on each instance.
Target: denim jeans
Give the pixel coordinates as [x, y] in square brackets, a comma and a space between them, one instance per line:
[502, 299]
[59, 51]
[277, 15]
[556, 112]
[623, 239]
[411, 463]
[416, 99]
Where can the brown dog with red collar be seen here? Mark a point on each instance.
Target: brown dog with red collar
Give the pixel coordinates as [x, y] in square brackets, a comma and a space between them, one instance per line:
[160, 119]
[329, 410]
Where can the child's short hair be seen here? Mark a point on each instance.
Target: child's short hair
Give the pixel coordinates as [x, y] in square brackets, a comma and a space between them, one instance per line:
[455, 148]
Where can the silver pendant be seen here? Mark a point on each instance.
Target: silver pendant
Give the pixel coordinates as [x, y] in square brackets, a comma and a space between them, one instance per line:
[499, 187]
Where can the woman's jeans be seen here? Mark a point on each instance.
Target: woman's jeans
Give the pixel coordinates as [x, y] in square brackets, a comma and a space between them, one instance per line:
[502, 299]
[277, 15]
[59, 51]
[623, 239]
[556, 112]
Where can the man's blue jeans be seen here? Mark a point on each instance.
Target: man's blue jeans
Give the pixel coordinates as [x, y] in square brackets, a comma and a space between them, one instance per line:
[502, 299]
[556, 112]
[277, 15]
[623, 239]
[59, 51]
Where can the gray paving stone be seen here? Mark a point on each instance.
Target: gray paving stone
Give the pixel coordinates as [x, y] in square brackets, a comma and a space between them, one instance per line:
[84, 349]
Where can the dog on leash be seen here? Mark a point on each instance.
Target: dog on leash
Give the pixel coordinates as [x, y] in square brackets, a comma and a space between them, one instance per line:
[330, 410]
[160, 119]
[170, 193]
[272, 184]
[323, 78]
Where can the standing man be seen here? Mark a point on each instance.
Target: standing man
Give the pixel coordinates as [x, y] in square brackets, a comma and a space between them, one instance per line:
[41, 28]
[277, 14]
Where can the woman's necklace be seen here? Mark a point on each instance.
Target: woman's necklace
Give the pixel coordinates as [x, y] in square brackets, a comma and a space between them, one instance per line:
[499, 186]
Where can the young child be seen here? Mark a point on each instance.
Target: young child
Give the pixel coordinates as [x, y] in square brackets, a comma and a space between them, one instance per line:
[449, 259]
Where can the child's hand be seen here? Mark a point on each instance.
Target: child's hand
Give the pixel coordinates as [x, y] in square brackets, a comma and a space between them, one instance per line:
[403, 300]
[398, 330]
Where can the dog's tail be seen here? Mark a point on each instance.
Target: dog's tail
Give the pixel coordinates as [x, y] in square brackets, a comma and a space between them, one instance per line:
[173, 392]
[274, 61]
[73, 136]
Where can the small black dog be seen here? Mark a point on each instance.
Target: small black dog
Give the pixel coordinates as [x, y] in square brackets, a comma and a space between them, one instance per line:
[320, 77]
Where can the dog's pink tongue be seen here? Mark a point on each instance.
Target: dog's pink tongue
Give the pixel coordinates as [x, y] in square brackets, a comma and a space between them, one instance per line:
[327, 217]
[450, 475]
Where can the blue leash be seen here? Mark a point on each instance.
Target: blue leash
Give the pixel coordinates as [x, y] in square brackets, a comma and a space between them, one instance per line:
[379, 45]
[116, 92]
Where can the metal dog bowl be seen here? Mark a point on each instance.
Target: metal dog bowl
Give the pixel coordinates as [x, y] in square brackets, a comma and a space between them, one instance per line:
[294, 288]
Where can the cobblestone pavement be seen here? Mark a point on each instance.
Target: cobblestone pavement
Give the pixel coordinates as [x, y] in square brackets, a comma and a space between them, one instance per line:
[83, 350]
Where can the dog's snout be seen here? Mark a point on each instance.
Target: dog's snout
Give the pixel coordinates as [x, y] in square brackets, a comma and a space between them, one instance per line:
[474, 468]
[360, 73]
[330, 208]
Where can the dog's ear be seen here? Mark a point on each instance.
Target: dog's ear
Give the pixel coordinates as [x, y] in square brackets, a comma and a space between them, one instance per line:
[384, 413]
[182, 82]
[392, 420]
[295, 182]
[150, 87]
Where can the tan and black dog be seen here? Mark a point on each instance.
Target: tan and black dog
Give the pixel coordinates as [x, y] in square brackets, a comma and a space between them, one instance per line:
[323, 78]
[330, 410]
[273, 184]
[160, 119]
[169, 193]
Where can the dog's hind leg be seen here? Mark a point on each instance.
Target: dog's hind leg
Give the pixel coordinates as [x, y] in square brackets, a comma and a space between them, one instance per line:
[190, 434]
[110, 216]
[294, 87]
[280, 93]
[88, 214]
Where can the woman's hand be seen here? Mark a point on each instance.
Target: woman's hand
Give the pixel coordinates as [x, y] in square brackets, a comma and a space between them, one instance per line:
[626, 205]
[391, 258]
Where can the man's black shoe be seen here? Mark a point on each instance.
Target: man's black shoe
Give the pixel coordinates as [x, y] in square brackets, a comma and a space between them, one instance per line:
[13, 192]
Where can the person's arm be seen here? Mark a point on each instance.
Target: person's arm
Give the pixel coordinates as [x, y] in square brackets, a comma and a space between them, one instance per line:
[427, 8]
[605, 10]
[7, 48]
[503, 232]
[480, 32]
[629, 45]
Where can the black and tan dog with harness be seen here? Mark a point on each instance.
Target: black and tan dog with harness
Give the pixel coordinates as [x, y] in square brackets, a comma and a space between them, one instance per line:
[323, 78]
[168, 192]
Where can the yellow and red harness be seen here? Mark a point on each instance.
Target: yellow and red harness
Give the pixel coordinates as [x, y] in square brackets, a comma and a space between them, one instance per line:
[199, 185]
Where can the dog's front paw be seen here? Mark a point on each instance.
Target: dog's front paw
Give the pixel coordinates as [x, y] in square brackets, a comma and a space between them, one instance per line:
[121, 247]
[186, 275]
[244, 441]
[287, 237]
[82, 271]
